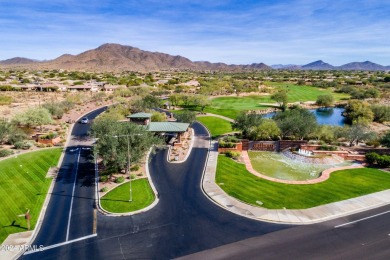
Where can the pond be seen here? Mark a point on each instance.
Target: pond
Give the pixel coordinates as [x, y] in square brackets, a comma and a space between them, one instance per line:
[278, 166]
[328, 116]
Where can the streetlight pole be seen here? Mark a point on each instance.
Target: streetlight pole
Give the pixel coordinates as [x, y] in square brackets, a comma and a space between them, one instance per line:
[128, 160]
[128, 167]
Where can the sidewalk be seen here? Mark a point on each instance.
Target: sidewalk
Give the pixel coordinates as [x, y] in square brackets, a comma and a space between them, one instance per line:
[303, 216]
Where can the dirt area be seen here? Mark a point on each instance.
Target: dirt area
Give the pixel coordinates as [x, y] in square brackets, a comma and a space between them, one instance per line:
[80, 110]
[25, 100]
[379, 128]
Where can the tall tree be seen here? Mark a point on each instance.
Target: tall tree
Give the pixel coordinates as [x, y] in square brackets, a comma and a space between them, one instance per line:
[266, 130]
[202, 102]
[359, 112]
[325, 100]
[357, 133]
[147, 102]
[381, 113]
[158, 117]
[281, 98]
[33, 117]
[113, 137]
[175, 99]
[186, 116]
[296, 123]
[245, 121]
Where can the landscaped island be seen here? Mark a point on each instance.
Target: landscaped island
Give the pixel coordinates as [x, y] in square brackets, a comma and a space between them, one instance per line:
[236, 181]
[117, 200]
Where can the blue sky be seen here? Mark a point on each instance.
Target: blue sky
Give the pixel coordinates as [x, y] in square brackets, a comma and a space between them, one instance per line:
[239, 32]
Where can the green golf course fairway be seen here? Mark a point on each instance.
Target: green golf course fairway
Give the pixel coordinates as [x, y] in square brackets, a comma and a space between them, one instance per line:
[231, 106]
[217, 126]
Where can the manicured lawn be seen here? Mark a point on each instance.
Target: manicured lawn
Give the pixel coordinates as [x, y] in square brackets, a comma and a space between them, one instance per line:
[217, 126]
[117, 200]
[231, 106]
[231, 113]
[23, 184]
[235, 180]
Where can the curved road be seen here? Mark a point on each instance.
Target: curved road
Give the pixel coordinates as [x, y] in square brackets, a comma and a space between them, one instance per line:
[182, 223]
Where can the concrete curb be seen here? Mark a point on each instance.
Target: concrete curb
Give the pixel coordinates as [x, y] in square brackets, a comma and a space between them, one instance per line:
[112, 214]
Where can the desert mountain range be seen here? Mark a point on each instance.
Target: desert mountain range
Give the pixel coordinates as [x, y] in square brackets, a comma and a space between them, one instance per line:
[116, 57]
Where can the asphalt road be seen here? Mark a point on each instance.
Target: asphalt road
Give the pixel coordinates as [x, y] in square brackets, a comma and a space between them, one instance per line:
[368, 238]
[186, 222]
[70, 188]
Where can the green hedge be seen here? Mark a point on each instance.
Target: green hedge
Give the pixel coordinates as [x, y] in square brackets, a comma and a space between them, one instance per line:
[377, 159]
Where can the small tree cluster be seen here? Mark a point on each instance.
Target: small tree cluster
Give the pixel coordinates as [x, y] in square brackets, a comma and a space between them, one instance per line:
[33, 117]
[115, 138]
[382, 161]
[232, 154]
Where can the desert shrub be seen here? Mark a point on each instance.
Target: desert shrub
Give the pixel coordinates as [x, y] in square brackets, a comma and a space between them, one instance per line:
[228, 142]
[25, 145]
[6, 88]
[381, 160]
[5, 100]
[39, 145]
[381, 113]
[134, 168]
[327, 148]
[16, 135]
[5, 152]
[49, 136]
[104, 189]
[233, 154]
[104, 178]
[231, 139]
[375, 143]
[133, 176]
[120, 179]
[372, 157]
[56, 109]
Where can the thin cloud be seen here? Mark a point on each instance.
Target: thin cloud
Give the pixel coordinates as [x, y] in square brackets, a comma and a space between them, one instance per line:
[219, 31]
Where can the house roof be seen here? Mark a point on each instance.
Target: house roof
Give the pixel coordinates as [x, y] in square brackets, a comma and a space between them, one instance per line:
[167, 127]
[140, 115]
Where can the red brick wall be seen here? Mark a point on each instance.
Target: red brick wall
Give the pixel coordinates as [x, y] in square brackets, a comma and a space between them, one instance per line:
[237, 148]
[284, 144]
[310, 147]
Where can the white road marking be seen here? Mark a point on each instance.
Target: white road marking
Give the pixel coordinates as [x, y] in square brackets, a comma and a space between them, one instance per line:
[373, 216]
[71, 202]
[59, 244]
